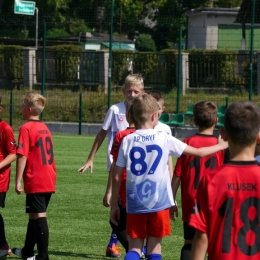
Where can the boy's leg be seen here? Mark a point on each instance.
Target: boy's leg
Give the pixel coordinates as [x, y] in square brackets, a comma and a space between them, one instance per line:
[42, 238]
[135, 248]
[189, 233]
[112, 249]
[120, 230]
[30, 239]
[158, 226]
[4, 247]
[2, 232]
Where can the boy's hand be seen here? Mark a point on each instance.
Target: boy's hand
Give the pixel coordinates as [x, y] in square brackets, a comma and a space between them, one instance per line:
[173, 211]
[18, 188]
[115, 215]
[223, 143]
[106, 199]
[88, 164]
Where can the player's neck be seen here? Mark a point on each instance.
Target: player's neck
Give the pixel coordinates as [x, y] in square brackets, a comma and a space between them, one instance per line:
[146, 125]
[34, 118]
[238, 153]
[208, 131]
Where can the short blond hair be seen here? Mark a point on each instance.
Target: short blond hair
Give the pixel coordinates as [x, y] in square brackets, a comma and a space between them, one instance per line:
[36, 102]
[134, 79]
[144, 105]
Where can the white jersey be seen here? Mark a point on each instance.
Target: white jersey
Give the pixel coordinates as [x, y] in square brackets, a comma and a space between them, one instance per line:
[161, 127]
[145, 155]
[114, 122]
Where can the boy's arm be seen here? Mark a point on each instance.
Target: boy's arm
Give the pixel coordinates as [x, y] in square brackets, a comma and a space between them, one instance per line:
[175, 184]
[107, 196]
[7, 160]
[116, 180]
[20, 166]
[199, 246]
[205, 151]
[97, 143]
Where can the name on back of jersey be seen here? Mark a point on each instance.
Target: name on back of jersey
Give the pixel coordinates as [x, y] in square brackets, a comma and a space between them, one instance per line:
[144, 138]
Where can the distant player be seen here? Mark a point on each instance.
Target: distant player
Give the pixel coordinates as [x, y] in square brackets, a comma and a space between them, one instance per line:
[145, 155]
[189, 169]
[36, 166]
[120, 229]
[114, 122]
[7, 156]
[227, 210]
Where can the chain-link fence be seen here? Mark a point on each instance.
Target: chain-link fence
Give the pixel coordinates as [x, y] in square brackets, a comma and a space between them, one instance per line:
[189, 50]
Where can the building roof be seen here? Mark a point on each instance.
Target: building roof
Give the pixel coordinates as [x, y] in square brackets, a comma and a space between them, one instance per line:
[93, 37]
[118, 46]
[212, 11]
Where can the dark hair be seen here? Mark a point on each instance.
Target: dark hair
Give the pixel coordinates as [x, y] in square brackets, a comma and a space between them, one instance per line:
[156, 94]
[205, 113]
[242, 122]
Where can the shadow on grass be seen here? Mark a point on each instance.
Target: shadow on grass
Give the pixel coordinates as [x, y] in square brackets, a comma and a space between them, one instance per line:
[68, 254]
[75, 255]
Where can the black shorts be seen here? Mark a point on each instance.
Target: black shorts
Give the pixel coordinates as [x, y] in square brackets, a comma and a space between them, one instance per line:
[188, 231]
[37, 202]
[2, 199]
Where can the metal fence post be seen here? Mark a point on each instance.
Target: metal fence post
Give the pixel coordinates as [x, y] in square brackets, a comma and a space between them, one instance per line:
[227, 101]
[11, 107]
[43, 63]
[110, 54]
[80, 112]
[251, 50]
[179, 79]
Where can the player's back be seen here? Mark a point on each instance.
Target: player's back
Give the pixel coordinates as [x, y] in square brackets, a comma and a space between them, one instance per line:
[233, 222]
[145, 155]
[36, 144]
[191, 170]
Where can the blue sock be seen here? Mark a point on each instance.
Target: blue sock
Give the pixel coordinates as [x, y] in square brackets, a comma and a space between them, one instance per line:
[132, 255]
[154, 257]
[113, 239]
[144, 250]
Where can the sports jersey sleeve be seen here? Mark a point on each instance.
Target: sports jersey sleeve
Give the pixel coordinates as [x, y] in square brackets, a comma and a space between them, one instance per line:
[121, 161]
[9, 140]
[108, 119]
[178, 167]
[116, 146]
[200, 210]
[23, 142]
[176, 147]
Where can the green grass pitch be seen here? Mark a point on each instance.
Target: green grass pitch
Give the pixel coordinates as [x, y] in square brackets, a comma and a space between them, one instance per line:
[78, 221]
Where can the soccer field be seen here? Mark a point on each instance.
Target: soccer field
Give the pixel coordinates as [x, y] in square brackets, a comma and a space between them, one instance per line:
[78, 221]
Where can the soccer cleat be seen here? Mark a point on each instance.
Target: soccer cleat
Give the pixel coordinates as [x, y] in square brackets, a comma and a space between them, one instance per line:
[17, 252]
[5, 250]
[143, 257]
[113, 252]
[31, 258]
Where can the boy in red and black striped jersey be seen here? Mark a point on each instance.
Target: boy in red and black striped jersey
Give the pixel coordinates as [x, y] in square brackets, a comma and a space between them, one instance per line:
[7, 156]
[120, 229]
[227, 205]
[36, 165]
[189, 170]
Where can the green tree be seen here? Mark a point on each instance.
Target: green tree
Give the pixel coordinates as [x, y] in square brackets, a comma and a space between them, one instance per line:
[145, 42]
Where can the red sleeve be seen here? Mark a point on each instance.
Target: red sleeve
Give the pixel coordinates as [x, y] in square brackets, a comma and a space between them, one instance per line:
[23, 142]
[9, 140]
[200, 209]
[178, 166]
[116, 145]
